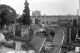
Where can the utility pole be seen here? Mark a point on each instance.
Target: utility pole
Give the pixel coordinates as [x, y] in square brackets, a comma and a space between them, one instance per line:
[79, 4]
[78, 20]
[78, 11]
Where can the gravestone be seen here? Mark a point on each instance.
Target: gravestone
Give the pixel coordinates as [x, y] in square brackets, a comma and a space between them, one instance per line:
[18, 46]
[37, 43]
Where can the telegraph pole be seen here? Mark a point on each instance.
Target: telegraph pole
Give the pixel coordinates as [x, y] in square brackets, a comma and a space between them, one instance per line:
[78, 11]
[78, 20]
[79, 4]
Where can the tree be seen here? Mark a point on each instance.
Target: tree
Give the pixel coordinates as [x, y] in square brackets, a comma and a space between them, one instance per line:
[20, 20]
[26, 15]
[7, 15]
[37, 21]
[64, 22]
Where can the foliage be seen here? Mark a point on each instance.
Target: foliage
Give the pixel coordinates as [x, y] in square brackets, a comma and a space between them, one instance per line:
[37, 21]
[7, 15]
[20, 20]
[26, 15]
[64, 22]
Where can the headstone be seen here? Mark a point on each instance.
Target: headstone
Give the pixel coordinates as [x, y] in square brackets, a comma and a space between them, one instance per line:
[77, 49]
[18, 46]
[2, 37]
[38, 42]
[58, 41]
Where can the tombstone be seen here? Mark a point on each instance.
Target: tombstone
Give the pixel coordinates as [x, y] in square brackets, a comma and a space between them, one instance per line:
[18, 46]
[37, 43]
[58, 41]
[77, 49]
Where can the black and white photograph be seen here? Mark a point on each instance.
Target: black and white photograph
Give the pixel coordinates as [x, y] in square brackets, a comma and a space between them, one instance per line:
[39, 26]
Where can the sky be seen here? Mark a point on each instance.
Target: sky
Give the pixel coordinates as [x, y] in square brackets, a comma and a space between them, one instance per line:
[47, 7]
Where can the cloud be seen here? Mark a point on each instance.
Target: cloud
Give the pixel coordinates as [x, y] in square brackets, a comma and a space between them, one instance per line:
[18, 5]
[49, 7]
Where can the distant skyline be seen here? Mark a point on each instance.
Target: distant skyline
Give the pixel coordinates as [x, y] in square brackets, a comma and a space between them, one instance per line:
[47, 7]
